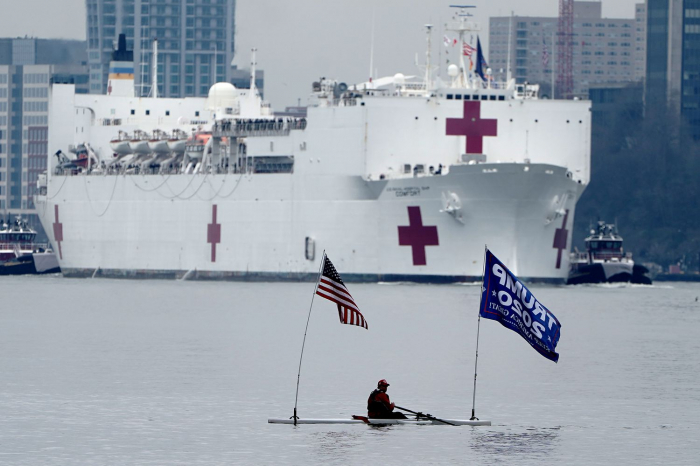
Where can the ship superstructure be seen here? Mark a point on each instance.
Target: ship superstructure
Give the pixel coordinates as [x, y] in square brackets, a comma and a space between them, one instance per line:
[396, 178]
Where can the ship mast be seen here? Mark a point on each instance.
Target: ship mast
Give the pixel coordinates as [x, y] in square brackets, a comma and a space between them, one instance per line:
[253, 89]
[462, 25]
[155, 68]
[428, 70]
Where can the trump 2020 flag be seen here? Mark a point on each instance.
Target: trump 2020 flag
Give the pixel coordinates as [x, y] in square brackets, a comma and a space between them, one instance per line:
[505, 299]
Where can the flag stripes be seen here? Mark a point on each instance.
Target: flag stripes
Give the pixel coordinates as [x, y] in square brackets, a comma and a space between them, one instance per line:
[331, 287]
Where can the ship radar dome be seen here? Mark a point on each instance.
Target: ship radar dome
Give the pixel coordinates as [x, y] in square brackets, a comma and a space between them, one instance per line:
[453, 70]
[221, 95]
[399, 79]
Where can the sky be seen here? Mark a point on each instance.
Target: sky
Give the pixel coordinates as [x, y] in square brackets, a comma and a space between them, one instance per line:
[299, 41]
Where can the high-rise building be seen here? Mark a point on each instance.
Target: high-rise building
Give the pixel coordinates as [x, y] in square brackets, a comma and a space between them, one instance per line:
[605, 50]
[673, 60]
[27, 68]
[195, 43]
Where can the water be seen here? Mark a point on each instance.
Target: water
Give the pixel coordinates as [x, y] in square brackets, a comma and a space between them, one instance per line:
[109, 372]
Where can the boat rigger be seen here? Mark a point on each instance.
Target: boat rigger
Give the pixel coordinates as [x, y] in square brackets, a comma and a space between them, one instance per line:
[382, 422]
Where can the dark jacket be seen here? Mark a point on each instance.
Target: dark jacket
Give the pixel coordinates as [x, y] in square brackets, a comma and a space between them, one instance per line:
[378, 405]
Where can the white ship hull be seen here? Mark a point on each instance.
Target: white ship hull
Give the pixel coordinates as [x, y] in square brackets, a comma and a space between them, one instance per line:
[401, 183]
[134, 227]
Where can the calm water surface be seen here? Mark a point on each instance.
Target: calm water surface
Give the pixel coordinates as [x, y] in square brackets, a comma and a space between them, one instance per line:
[110, 372]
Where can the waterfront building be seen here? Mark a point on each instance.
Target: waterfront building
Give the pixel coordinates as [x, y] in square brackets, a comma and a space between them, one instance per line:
[28, 67]
[195, 43]
[673, 61]
[605, 50]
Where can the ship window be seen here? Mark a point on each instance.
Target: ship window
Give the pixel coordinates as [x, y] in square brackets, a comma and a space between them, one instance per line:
[272, 164]
[467, 97]
[450, 96]
[493, 97]
[407, 168]
[133, 112]
[484, 97]
[458, 96]
[501, 97]
[196, 113]
[167, 113]
[148, 112]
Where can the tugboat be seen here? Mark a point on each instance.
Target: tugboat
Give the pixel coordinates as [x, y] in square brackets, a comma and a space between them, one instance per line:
[19, 255]
[605, 260]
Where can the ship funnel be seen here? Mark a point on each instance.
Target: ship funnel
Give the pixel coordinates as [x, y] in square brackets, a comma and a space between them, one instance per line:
[121, 71]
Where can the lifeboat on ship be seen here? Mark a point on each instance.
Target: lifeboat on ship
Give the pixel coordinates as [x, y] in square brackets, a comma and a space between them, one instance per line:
[177, 142]
[139, 143]
[120, 144]
[159, 142]
[196, 145]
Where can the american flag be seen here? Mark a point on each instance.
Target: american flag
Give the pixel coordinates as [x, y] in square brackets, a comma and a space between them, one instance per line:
[468, 50]
[331, 287]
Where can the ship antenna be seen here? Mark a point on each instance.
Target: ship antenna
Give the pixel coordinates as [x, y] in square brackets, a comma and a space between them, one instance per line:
[371, 47]
[428, 70]
[253, 89]
[510, 42]
[461, 26]
[155, 68]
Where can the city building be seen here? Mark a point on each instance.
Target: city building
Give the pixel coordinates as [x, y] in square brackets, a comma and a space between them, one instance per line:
[605, 50]
[195, 43]
[27, 69]
[673, 60]
[617, 112]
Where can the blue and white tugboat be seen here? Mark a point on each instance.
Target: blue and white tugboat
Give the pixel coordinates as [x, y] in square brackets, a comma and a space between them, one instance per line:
[605, 260]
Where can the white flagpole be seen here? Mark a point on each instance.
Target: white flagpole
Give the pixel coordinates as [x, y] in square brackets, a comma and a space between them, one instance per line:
[478, 327]
[296, 397]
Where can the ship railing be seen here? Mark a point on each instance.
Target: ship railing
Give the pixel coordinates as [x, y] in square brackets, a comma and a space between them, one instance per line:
[579, 257]
[344, 102]
[607, 256]
[526, 91]
[246, 128]
[24, 246]
[414, 87]
[111, 122]
[585, 257]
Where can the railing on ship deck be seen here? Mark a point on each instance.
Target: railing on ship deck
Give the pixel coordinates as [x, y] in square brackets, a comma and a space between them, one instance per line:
[584, 257]
[247, 128]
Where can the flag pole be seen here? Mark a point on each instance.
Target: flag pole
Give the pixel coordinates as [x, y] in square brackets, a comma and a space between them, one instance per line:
[296, 397]
[478, 328]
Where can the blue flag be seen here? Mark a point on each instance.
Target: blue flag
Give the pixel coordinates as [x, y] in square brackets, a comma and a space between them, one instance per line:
[504, 298]
[481, 65]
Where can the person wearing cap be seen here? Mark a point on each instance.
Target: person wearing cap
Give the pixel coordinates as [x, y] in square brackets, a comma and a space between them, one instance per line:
[379, 406]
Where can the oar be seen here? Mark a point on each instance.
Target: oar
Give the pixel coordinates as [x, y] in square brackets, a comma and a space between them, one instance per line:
[427, 416]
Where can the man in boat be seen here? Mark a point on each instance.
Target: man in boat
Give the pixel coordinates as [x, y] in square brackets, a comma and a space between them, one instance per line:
[379, 406]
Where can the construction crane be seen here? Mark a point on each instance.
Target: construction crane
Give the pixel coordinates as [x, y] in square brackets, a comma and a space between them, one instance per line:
[565, 50]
